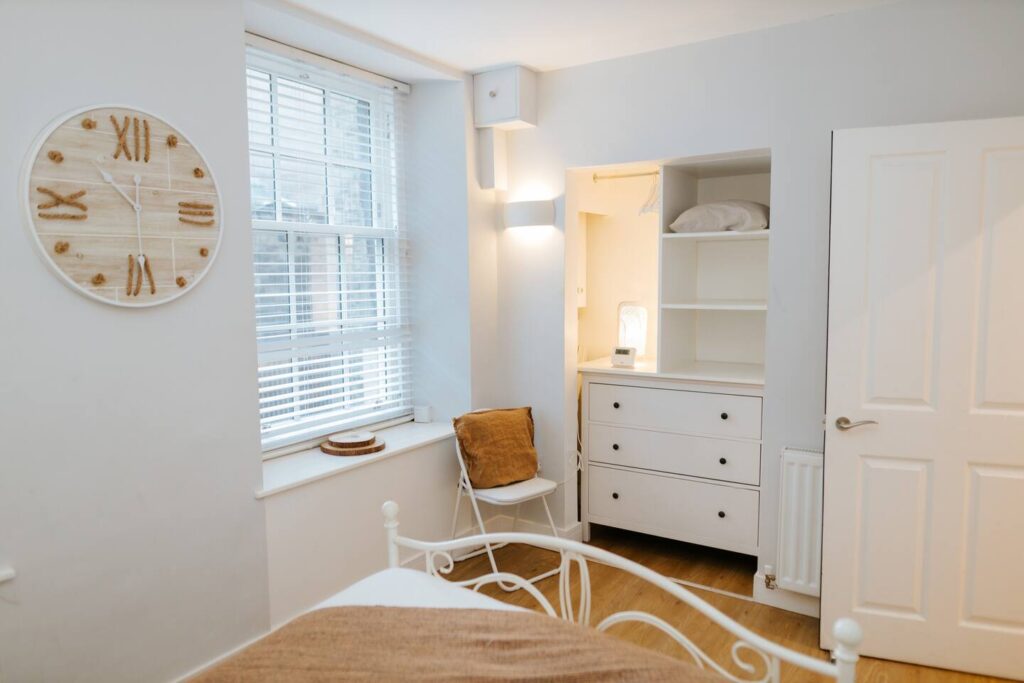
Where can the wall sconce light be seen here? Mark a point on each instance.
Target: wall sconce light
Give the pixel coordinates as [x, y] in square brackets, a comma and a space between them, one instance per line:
[528, 214]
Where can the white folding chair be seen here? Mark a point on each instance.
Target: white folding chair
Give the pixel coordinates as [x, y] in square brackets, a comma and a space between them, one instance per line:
[512, 494]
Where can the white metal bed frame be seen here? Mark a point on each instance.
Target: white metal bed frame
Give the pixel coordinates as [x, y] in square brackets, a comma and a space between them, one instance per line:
[847, 632]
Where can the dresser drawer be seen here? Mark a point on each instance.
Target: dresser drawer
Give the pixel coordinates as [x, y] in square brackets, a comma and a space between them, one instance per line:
[708, 514]
[697, 456]
[676, 411]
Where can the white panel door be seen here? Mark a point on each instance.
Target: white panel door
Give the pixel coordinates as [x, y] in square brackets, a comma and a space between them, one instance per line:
[924, 510]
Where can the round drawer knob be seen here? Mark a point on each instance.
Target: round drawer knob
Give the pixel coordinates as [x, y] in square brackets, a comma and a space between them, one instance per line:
[725, 416]
[615, 446]
[492, 93]
[722, 461]
[721, 514]
[615, 405]
[616, 496]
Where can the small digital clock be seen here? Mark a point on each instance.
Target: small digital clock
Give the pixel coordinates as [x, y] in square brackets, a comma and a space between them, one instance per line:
[623, 356]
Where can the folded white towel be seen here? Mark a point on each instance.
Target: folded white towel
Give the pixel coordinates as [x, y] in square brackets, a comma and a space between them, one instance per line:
[730, 214]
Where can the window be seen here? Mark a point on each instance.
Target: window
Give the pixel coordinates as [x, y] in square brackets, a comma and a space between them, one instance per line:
[328, 250]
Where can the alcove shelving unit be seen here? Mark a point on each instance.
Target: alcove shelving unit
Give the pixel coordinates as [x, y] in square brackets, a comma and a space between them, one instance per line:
[713, 286]
[672, 446]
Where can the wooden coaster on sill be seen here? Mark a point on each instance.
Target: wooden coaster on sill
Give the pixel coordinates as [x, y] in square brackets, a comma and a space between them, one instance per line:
[329, 449]
[351, 439]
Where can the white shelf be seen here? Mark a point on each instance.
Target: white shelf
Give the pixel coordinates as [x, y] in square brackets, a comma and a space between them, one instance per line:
[719, 305]
[644, 366]
[698, 371]
[719, 236]
[710, 371]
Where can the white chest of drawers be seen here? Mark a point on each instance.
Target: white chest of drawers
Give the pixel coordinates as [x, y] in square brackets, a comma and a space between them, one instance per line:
[673, 458]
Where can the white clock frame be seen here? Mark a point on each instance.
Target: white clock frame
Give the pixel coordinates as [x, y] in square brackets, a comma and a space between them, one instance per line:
[28, 210]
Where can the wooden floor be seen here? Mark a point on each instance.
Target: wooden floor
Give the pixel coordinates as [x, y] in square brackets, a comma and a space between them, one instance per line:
[614, 590]
[718, 569]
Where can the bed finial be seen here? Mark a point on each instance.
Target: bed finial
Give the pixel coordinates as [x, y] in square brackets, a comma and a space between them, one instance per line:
[848, 635]
[390, 511]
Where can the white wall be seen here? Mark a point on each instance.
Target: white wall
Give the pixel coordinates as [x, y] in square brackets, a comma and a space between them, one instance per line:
[533, 360]
[453, 252]
[622, 265]
[124, 549]
[484, 223]
[786, 88]
[323, 536]
[755, 187]
[437, 198]
[131, 443]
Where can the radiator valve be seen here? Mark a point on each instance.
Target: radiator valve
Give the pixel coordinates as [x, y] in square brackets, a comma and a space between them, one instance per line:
[769, 577]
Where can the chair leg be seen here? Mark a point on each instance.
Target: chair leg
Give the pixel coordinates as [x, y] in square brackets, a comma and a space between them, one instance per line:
[544, 575]
[479, 518]
[487, 546]
[458, 505]
[459, 493]
[551, 520]
[554, 530]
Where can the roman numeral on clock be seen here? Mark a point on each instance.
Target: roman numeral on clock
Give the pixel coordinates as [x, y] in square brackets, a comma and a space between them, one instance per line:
[139, 135]
[57, 199]
[195, 213]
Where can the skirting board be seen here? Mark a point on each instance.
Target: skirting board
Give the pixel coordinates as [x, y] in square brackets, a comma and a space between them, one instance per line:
[502, 523]
[220, 658]
[788, 600]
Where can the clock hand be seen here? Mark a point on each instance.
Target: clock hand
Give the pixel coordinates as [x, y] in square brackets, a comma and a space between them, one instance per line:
[143, 261]
[107, 177]
[138, 216]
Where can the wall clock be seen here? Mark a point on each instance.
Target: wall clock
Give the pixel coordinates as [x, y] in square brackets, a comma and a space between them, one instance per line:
[122, 205]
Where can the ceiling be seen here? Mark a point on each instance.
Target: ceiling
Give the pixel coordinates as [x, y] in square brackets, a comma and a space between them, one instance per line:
[474, 35]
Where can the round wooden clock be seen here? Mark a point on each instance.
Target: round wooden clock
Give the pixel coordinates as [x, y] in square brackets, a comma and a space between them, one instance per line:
[122, 205]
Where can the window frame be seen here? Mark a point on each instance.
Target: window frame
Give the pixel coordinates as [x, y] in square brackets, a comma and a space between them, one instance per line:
[389, 277]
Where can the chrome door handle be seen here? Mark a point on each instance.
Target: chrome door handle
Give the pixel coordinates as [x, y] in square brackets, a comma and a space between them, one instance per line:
[843, 423]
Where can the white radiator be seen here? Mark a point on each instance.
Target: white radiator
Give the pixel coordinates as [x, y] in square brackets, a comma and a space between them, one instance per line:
[799, 561]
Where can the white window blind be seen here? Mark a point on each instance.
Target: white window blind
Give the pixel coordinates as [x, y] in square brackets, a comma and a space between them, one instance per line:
[328, 250]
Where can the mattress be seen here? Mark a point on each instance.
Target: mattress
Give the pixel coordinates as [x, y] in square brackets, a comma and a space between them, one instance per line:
[410, 588]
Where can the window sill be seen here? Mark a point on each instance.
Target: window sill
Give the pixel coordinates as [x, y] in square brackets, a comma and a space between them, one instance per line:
[304, 467]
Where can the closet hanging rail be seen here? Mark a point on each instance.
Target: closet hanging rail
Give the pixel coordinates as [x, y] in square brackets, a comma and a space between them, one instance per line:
[614, 176]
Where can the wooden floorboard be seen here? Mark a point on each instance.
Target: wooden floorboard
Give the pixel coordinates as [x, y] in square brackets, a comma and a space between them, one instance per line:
[718, 569]
[614, 590]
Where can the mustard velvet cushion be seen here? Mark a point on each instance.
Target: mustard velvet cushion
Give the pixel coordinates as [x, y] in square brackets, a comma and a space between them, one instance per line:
[497, 446]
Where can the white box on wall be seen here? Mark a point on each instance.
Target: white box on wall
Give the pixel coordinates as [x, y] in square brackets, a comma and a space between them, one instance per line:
[505, 98]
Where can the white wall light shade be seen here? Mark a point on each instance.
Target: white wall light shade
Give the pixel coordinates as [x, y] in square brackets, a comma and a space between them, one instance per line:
[524, 214]
[633, 326]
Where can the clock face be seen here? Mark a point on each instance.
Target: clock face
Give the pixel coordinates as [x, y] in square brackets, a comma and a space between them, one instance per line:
[123, 206]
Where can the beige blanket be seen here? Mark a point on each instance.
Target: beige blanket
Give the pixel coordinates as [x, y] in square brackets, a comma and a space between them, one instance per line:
[418, 644]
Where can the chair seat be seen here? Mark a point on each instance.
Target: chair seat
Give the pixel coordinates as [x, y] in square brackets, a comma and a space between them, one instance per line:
[516, 493]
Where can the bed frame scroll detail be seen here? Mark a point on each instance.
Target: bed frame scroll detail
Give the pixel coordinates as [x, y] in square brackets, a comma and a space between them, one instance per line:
[753, 654]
